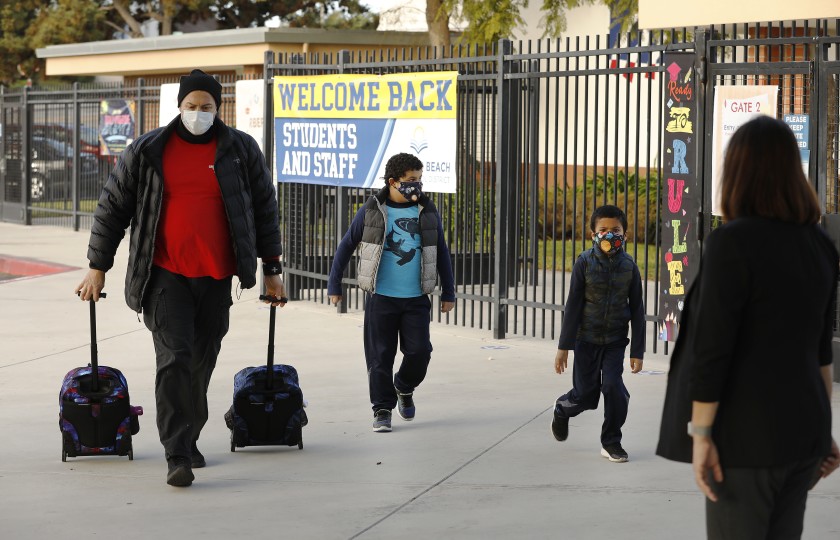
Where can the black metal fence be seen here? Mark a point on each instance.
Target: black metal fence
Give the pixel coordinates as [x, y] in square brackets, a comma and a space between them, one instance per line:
[53, 167]
[548, 130]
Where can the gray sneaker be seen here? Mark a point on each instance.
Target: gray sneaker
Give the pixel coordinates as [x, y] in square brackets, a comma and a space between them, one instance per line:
[382, 421]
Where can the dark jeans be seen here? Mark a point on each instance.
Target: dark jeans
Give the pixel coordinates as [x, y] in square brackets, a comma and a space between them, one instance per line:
[760, 504]
[188, 318]
[386, 320]
[597, 369]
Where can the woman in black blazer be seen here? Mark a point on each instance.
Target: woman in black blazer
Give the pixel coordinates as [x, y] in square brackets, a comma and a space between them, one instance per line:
[752, 365]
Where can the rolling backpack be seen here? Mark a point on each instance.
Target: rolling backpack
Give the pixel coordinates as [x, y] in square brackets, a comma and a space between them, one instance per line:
[95, 415]
[267, 405]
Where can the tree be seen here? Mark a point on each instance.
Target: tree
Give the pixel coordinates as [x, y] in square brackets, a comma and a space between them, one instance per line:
[490, 20]
[26, 25]
[15, 17]
[238, 13]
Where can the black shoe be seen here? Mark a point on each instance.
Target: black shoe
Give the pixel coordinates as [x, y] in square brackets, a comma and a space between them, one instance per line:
[560, 427]
[405, 405]
[180, 472]
[614, 453]
[197, 458]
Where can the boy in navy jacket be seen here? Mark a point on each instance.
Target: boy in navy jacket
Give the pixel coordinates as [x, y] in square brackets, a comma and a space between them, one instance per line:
[605, 294]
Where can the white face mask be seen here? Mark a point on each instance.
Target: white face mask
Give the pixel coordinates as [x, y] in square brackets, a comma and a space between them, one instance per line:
[197, 122]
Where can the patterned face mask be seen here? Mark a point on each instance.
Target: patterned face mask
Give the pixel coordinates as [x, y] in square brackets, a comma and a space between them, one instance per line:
[608, 242]
[410, 190]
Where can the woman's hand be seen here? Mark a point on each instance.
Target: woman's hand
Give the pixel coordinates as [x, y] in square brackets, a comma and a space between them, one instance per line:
[832, 460]
[706, 462]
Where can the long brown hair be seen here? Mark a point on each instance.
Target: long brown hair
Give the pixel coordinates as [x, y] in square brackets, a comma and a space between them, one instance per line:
[763, 177]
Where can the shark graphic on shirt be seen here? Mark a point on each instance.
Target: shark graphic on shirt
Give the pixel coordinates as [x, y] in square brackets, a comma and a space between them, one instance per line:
[395, 246]
[409, 225]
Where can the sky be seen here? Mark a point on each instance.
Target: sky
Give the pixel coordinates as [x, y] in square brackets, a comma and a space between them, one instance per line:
[375, 5]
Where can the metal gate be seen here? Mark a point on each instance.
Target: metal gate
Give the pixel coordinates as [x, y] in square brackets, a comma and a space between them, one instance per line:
[548, 130]
[793, 58]
[544, 138]
[13, 165]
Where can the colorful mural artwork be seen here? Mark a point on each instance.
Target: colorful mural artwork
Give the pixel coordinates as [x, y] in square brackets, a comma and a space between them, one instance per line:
[679, 249]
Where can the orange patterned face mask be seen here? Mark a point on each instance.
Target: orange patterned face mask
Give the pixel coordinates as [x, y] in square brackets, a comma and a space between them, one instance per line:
[608, 242]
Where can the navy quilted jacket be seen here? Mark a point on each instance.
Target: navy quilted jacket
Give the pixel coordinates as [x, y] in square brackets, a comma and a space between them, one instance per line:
[605, 295]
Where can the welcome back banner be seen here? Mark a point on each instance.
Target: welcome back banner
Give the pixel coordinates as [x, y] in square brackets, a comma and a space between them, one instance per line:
[341, 129]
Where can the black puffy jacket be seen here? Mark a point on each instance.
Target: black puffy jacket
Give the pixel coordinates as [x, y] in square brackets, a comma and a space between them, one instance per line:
[134, 192]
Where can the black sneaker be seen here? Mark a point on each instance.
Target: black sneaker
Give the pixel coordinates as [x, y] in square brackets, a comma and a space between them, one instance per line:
[405, 405]
[560, 427]
[614, 453]
[197, 458]
[180, 472]
[382, 421]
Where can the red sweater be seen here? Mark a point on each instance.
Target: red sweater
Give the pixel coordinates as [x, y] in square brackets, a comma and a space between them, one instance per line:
[193, 236]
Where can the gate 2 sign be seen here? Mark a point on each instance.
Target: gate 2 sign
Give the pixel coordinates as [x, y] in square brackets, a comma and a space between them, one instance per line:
[340, 130]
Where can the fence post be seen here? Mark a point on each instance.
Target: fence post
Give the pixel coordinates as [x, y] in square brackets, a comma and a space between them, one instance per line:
[74, 178]
[342, 203]
[504, 164]
[818, 138]
[140, 126]
[268, 112]
[268, 150]
[26, 158]
[702, 138]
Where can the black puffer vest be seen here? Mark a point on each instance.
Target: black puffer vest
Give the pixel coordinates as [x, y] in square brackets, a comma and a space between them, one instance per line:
[606, 311]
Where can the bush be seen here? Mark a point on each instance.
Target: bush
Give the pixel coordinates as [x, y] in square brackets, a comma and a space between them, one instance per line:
[564, 213]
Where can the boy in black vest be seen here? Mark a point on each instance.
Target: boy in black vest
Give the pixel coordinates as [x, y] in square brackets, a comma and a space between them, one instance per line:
[401, 253]
[605, 294]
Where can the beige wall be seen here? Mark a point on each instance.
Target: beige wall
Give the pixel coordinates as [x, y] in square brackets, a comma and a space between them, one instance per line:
[667, 14]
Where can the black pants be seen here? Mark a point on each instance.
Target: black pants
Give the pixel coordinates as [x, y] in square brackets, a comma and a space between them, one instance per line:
[386, 320]
[188, 318]
[760, 504]
[597, 369]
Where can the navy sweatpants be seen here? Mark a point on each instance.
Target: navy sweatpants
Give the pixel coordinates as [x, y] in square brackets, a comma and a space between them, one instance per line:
[597, 370]
[388, 320]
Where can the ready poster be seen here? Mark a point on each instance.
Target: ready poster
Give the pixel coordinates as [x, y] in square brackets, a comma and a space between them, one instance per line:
[681, 198]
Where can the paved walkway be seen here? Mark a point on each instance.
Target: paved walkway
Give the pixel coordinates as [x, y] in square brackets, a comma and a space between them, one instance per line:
[478, 462]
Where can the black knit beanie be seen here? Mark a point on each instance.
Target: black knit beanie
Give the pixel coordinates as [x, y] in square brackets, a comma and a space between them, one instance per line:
[198, 80]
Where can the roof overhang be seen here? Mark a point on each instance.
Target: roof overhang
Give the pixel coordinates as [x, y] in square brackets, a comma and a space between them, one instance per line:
[220, 50]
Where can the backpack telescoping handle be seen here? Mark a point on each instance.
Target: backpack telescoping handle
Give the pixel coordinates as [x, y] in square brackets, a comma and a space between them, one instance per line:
[269, 376]
[94, 352]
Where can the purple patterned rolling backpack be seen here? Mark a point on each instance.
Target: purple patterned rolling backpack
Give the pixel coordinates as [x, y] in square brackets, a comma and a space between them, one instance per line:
[95, 414]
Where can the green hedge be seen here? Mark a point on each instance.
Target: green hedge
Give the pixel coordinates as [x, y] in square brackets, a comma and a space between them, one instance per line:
[576, 206]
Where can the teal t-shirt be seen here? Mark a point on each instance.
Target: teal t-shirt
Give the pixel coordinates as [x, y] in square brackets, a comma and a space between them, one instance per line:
[399, 270]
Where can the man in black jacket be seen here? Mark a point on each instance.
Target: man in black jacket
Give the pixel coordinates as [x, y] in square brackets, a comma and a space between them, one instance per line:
[202, 207]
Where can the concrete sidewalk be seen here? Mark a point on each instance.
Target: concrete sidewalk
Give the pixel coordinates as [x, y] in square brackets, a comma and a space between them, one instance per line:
[478, 462]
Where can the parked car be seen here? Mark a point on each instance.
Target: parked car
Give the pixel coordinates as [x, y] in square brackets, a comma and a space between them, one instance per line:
[52, 171]
[88, 136]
